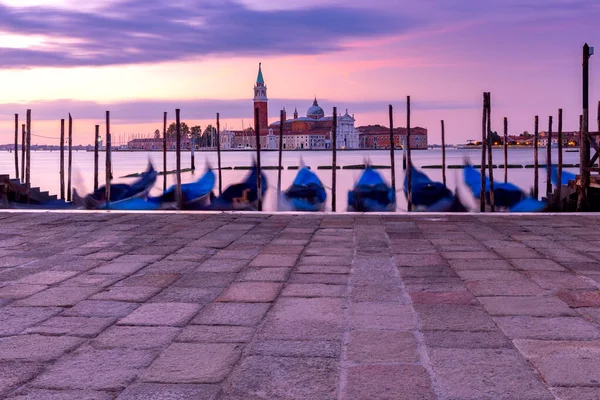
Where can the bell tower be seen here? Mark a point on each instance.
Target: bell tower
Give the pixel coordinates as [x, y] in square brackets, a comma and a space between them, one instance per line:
[260, 100]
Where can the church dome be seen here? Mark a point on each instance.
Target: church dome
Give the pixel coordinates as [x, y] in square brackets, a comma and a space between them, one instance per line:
[315, 111]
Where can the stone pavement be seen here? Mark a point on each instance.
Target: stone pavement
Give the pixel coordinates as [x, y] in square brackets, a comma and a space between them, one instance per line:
[258, 306]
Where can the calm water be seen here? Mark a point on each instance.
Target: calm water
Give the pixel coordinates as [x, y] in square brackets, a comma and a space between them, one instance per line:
[45, 168]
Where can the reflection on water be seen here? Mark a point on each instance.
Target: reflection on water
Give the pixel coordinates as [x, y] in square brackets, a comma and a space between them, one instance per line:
[45, 168]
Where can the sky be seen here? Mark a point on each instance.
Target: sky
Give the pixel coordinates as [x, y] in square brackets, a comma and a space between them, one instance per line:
[139, 58]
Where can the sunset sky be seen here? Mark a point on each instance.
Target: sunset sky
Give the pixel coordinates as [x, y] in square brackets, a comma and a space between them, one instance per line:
[138, 58]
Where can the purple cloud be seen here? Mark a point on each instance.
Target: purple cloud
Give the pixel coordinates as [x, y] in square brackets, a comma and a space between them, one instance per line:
[144, 31]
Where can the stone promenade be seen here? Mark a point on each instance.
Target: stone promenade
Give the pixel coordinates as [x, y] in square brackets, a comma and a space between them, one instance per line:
[98, 306]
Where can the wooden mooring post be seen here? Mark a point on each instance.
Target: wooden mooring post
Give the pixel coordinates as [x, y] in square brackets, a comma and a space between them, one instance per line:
[408, 155]
[483, 152]
[334, 161]
[392, 145]
[505, 150]
[17, 146]
[584, 145]
[62, 159]
[178, 193]
[219, 154]
[70, 157]
[258, 166]
[549, 160]
[536, 135]
[280, 159]
[490, 142]
[165, 151]
[23, 150]
[28, 167]
[560, 162]
[443, 154]
[108, 161]
[96, 139]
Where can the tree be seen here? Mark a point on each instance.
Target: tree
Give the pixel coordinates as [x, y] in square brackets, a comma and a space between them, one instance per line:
[207, 136]
[195, 134]
[172, 130]
[495, 137]
[157, 134]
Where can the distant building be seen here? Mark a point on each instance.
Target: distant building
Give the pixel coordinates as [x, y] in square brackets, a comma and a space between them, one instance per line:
[378, 137]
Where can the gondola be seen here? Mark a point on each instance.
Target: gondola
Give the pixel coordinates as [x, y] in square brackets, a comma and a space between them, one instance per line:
[566, 176]
[306, 193]
[241, 196]
[371, 194]
[118, 192]
[507, 196]
[431, 196]
[195, 196]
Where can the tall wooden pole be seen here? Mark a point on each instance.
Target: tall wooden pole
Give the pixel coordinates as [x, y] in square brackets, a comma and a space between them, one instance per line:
[178, 194]
[490, 142]
[505, 150]
[70, 157]
[281, 123]
[334, 161]
[193, 161]
[560, 161]
[23, 149]
[536, 135]
[62, 159]
[549, 160]
[219, 154]
[483, 152]
[584, 145]
[96, 139]
[392, 145]
[165, 151]
[17, 146]
[108, 160]
[408, 155]
[258, 167]
[443, 154]
[28, 167]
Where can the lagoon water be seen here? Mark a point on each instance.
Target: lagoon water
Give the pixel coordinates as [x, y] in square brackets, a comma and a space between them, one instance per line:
[45, 168]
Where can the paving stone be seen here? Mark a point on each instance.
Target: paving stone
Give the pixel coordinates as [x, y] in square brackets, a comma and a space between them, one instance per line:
[95, 369]
[250, 292]
[248, 254]
[120, 267]
[519, 287]
[93, 280]
[563, 363]
[283, 378]
[267, 274]
[435, 284]
[58, 297]
[537, 264]
[450, 317]
[20, 291]
[242, 314]
[151, 280]
[186, 295]
[549, 328]
[387, 382]
[590, 313]
[535, 306]
[36, 347]
[216, 334]
[330, 279]
[73, 326]
[42, 394]
[517, 252]
[13, 374]
[136, 337]
[485, 374]
[577, 393]
[151, 391]
[466, 340]
[100, 308]
[313, 290]
[222, 265]
[456, 297]
[322, 269]
[14, 320]
[274, 260]
[382, 346]
[479, 265]
[580, 298]
[186, 363]
[470, 255]
[274, 249]
[341, 261]
[559, 280]
[205, 280]
[587, 268]
[127, 293]
[295, 348]
[47, 277]
[163, 314]
[420, 260]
